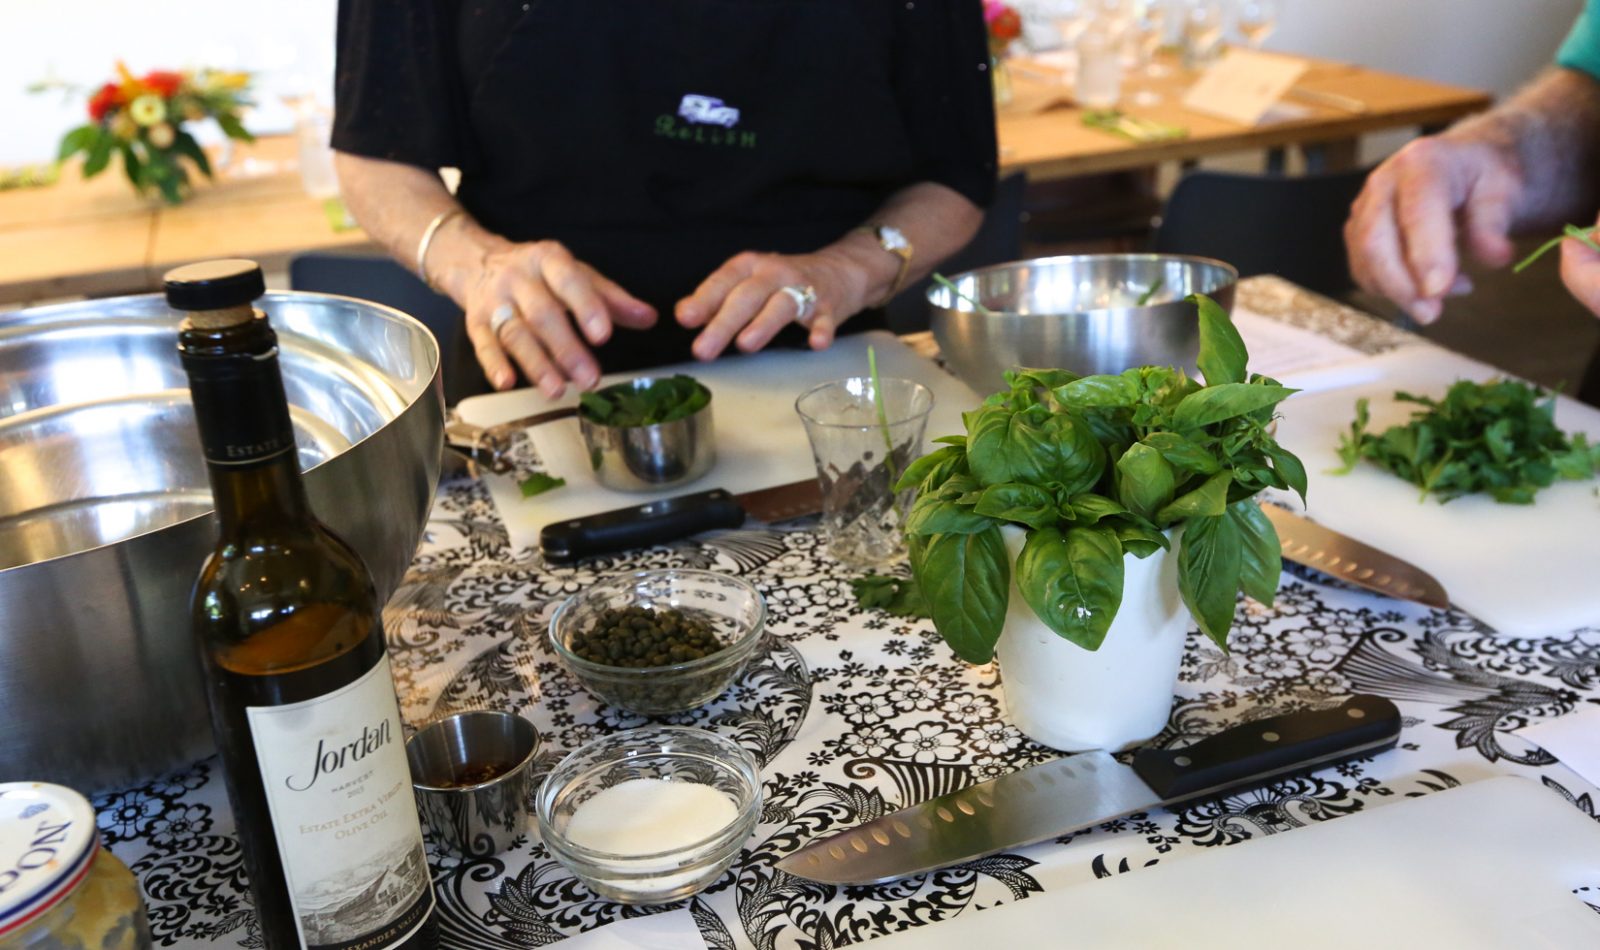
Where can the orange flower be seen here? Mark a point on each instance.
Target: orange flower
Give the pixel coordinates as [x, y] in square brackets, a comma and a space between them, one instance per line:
[107, 98]
[163, 83]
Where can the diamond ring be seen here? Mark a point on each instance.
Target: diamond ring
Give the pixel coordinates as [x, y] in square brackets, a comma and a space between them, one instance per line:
[503, 314]
[805, 301]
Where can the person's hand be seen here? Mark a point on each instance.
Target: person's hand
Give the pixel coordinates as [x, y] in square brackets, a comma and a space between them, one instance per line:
[521, 307]
[744, 302]
[1405, 225]
[1580, 271]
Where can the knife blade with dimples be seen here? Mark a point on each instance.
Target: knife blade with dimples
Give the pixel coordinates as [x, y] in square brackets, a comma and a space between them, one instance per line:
[1075, 792]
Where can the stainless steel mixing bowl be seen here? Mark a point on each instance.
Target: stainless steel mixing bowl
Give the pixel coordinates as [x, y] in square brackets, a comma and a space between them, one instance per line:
[105, 511]
[1077, 312]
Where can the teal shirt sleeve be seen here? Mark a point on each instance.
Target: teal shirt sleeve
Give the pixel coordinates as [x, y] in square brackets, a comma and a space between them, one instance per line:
[1581, 51]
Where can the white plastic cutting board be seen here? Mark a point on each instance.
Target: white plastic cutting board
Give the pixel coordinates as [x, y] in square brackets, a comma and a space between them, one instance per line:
[1487, 866]
[760, 440]
[1525, 570]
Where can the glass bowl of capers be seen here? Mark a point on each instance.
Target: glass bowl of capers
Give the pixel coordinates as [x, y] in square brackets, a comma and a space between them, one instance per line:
[659, 642]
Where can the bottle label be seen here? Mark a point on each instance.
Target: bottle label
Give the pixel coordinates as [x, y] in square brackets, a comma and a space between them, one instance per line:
[339, 792]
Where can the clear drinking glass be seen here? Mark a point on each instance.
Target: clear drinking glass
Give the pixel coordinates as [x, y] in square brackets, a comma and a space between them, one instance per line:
[860, 455]
[1202, 31]
[1257, 19]
[1147, 31]
[1099, 68]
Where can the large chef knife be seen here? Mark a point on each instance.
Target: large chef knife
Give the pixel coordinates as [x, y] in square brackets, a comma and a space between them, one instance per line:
[1072, 793]
[657, 522]
[1306, 542]
[668, 519]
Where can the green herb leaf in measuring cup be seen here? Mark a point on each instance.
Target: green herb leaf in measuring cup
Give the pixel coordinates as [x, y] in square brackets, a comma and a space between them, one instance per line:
[626, 405]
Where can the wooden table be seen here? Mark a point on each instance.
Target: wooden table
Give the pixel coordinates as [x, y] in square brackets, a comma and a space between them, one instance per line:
[97, 238]
[1052, 142]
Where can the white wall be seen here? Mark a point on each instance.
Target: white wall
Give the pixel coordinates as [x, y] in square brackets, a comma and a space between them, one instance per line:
[288, 42]
[1490, 44]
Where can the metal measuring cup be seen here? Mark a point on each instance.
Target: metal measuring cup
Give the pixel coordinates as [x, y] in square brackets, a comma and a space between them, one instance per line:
[474, 818]
[648, 458]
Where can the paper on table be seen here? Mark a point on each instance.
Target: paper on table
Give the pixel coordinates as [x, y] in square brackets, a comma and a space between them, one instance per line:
[1574, 739]
[671, 930]
[1243, 85]
[1280, 350]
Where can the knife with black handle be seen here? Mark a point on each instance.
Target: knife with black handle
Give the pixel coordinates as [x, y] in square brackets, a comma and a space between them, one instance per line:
[1057, 798]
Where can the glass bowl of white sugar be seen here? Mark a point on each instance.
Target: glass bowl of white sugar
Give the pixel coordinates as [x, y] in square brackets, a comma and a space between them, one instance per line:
[651, 815]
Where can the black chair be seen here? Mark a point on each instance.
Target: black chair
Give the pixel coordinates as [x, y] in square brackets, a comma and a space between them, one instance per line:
[381, 280]
[1266, 224]
[999, 239]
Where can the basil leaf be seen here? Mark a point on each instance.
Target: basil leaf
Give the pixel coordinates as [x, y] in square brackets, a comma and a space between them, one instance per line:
[1090, 508]
[940, 461]
[933, 515]
[1215, 403]
[1141, 540]
[1073, 581]
[1209, 563]
[598, 407]
[1261, 564]
[1018, 502]
[966, 581]
[1208, 501]
[1289, 468]
[1004, 445]
[1080, 458]
[1048, 379]
[896, 596]
[1145, 480]
[1222, 353]
[538, 483]
[1097, 391]
[1183, 453]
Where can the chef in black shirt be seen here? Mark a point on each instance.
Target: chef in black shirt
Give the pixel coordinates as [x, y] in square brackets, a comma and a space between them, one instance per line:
[646, 180]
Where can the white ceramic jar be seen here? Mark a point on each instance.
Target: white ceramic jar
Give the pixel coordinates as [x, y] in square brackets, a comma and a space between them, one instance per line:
[1073, 699]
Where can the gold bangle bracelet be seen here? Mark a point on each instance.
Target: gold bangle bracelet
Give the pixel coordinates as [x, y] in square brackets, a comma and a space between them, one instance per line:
[439, 221]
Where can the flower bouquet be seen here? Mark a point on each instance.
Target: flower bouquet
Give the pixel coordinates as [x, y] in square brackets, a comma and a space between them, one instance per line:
[142, 119]
[1004, 25]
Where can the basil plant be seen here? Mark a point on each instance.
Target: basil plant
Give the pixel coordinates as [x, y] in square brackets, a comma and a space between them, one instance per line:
[1095, 467]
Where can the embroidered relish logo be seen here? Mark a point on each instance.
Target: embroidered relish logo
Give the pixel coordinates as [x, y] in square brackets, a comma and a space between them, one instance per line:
[705, 120]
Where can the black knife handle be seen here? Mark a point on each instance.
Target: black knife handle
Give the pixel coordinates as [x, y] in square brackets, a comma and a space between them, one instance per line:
[1271, 748]
[655, 522]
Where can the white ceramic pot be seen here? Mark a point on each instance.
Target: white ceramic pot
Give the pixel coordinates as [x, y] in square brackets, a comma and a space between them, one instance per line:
[1073, 699]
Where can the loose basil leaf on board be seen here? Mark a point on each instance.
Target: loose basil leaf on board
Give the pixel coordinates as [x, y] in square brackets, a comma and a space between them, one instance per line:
[538, 483]
[1261, 564]
[966, 581]
[896, 596]
[1215, 403]
[1222, 352]
[1146, 481]
[1073, 581]
[1210, 559]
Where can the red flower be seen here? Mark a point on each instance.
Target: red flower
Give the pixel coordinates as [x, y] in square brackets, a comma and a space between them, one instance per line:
[163, 82]
[1006, 26]
[108, 97]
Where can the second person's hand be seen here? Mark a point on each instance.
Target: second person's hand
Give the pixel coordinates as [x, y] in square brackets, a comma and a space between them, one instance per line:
[1416, 207]
[752, 296]
[521, 306]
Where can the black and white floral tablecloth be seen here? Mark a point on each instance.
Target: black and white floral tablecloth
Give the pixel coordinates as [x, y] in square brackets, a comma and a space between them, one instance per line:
[854, 713]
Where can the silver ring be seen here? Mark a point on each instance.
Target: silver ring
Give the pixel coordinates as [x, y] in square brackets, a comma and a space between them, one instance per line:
[503, 314]
[805, 301]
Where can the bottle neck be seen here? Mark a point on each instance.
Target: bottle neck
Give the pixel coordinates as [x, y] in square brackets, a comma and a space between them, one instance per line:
[245, 429]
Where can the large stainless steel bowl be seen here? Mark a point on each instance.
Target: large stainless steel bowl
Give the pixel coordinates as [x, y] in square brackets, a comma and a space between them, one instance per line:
[105, 511]
[1078, 312]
